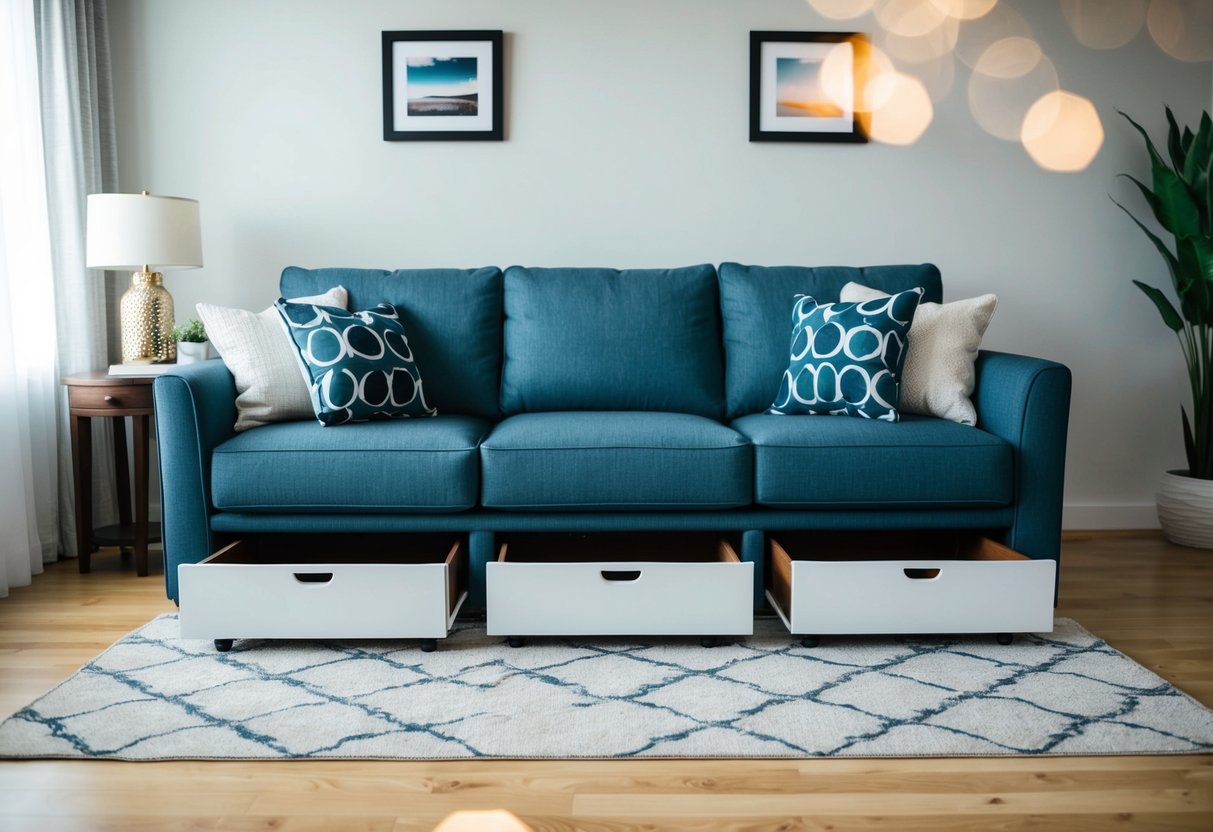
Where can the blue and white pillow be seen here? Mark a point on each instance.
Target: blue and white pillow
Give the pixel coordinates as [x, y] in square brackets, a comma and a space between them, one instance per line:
[358, 365]
[847, 357]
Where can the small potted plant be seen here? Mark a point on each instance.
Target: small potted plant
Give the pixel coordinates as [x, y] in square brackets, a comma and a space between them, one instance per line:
[192, 344]
[1182, 203]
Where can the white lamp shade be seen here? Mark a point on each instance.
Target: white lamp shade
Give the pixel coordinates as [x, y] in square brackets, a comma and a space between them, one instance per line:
[129, 231]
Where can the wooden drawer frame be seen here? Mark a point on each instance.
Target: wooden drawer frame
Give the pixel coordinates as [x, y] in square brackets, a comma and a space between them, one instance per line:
[326, 587]
[619, 584]
[878, 586]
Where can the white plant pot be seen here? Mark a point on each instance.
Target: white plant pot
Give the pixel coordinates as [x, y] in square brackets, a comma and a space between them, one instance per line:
[1185, 509]
[190, 351]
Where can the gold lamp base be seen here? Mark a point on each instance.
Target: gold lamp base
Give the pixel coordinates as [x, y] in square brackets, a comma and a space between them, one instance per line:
[147, 321]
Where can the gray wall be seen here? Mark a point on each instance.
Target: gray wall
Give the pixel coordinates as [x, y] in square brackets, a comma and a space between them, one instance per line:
[627, 146]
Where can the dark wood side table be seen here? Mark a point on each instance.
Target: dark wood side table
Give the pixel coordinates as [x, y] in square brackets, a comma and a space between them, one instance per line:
[97, 393]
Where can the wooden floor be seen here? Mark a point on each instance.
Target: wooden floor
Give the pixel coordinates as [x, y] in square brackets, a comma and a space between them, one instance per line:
[1152, 600]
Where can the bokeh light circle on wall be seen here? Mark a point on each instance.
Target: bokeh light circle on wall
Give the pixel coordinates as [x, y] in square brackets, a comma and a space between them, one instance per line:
[836, 77]
[909, 18]
[1062, 132]
[1104, 24]
[1012, 57]
[1006, 81]
[919, 49]
[938, 76]
[1182, 28]
[976, 36]
[906, 113]
[965, 9]
[842, 9]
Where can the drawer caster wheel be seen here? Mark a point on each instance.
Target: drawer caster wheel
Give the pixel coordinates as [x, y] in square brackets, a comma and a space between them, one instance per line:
[515, 641]
[810, 642]
[224, 644]
[429, 645]
[1004, 638]
[709, 642]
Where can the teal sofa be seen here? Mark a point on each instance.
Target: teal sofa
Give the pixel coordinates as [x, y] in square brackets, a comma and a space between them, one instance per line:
[591, 400]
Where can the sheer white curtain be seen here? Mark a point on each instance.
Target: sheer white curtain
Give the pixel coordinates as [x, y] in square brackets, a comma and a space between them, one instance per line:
[78, 141]
[28, 420]
[56, 146]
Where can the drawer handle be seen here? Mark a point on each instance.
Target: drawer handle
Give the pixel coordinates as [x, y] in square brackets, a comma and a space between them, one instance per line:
[313, 577]
[921, 574]
[110, 398]
[621, 575]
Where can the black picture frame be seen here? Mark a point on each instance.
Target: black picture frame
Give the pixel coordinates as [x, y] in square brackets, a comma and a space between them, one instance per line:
[437, 117]
[811, 132]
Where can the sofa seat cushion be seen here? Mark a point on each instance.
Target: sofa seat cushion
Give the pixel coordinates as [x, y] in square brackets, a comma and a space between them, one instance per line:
[407, 465]
[828, 462]
[602, 461]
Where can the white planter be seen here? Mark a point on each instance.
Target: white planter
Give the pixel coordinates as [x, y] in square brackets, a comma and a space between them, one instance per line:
[1185, 509]
[190, 351]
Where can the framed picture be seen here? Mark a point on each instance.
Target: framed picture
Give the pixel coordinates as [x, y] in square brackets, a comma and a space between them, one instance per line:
[790, 101]
[442, 86]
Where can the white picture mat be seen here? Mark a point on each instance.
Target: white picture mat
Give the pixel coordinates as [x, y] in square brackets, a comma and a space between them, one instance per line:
[482, 50]
[768, 121]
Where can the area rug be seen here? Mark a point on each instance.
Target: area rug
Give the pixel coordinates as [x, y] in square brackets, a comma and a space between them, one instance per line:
[154, 696]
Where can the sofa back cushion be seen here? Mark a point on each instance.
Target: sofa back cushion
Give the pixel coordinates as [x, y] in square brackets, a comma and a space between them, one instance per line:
[453, 321]
[603, 339]
[756, 308]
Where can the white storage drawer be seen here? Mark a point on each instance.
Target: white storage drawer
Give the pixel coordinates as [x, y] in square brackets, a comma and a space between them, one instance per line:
[619, 584]
[907, 583]
[325, 586]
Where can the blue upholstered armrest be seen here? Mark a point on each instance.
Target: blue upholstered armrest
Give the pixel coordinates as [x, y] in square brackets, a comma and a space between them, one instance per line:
[195, 411]
[1026, 401]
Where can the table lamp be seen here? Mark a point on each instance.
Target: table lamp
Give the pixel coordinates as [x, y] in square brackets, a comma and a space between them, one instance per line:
[144, 233]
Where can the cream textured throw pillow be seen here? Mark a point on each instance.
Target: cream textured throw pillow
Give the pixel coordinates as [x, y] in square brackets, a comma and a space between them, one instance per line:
[938, 376]
[262, 359]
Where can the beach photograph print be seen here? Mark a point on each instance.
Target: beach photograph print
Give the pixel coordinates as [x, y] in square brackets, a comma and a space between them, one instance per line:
[798, 90]
[438, 86]
[443, 85]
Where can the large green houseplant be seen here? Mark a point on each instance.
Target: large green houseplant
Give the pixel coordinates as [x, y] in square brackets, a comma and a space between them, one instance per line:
[1181, 200]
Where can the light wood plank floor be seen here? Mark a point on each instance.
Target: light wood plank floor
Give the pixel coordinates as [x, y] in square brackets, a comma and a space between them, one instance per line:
[1152, 600]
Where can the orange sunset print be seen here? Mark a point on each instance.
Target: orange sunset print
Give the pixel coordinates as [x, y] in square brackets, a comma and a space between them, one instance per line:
[798, 91]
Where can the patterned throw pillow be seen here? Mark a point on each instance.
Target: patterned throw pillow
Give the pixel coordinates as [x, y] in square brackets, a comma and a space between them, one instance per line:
[939, 375]
[847, 357]
[358, 365]
[263, 360]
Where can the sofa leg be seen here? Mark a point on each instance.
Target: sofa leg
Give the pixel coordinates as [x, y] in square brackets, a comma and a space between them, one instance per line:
[709, 641]
[753, 550]
[429, 645]
[515, 641]
[1004, 638]
[810, 642]
[482, 548]
[224, 644]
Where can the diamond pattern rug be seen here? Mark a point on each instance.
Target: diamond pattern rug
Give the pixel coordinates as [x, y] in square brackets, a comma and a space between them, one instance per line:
[155, 696]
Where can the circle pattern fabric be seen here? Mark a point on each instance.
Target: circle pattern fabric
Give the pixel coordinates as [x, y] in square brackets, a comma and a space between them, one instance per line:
[847, 357]
[358, 365]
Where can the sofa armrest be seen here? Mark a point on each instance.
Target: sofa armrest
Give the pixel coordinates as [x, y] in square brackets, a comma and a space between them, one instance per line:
[195, 411]
[1026, 401]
